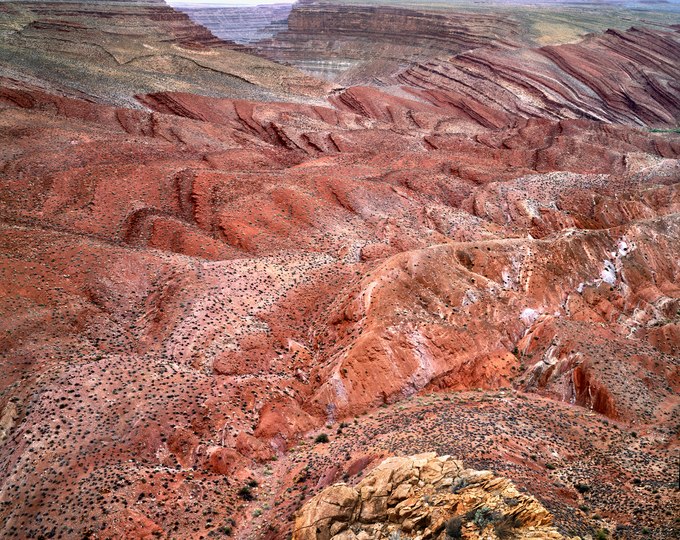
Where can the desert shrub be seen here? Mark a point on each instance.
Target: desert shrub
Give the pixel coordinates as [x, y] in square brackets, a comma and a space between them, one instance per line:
[246, 493]
[484, 516]
[469, 515]
[453, 527]
[505, 527]
[321, 438]
[601, 534]
[582, 488]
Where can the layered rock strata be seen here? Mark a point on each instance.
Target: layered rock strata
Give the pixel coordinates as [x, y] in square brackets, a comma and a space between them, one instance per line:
[108, 51]
[361, 43]
[241, 24]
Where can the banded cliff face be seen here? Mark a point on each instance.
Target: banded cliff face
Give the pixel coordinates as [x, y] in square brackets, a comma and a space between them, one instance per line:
[139, 16]
[364, 43]
[242, 24]
[194, 285]
[359, 43]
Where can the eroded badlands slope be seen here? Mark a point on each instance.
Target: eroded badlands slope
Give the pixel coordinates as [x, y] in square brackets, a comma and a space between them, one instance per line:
[194, 287]
[107, 51]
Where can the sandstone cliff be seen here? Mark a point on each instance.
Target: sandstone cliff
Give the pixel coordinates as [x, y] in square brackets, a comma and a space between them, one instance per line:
[359, 43]
[355, 42]
[242, 24]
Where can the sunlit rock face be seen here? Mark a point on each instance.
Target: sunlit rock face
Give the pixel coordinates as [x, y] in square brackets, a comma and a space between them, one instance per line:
[227, 284]
[424, 496]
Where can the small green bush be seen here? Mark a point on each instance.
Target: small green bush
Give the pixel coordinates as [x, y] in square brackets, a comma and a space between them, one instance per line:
[484, 516]
[321, 438]
[602, 534]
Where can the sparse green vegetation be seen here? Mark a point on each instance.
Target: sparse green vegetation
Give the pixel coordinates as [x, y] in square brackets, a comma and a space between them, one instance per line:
[670, 130]
[601, 534]
[505, 527]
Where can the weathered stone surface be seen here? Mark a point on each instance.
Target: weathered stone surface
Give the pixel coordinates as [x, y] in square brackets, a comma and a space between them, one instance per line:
[328, 513]
[484, 503]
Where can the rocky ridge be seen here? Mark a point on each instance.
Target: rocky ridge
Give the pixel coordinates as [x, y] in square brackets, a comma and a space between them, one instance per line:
[604, 77]
[424, 497]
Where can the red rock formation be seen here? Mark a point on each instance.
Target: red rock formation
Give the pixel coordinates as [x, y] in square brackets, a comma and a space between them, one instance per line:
[604, 77]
